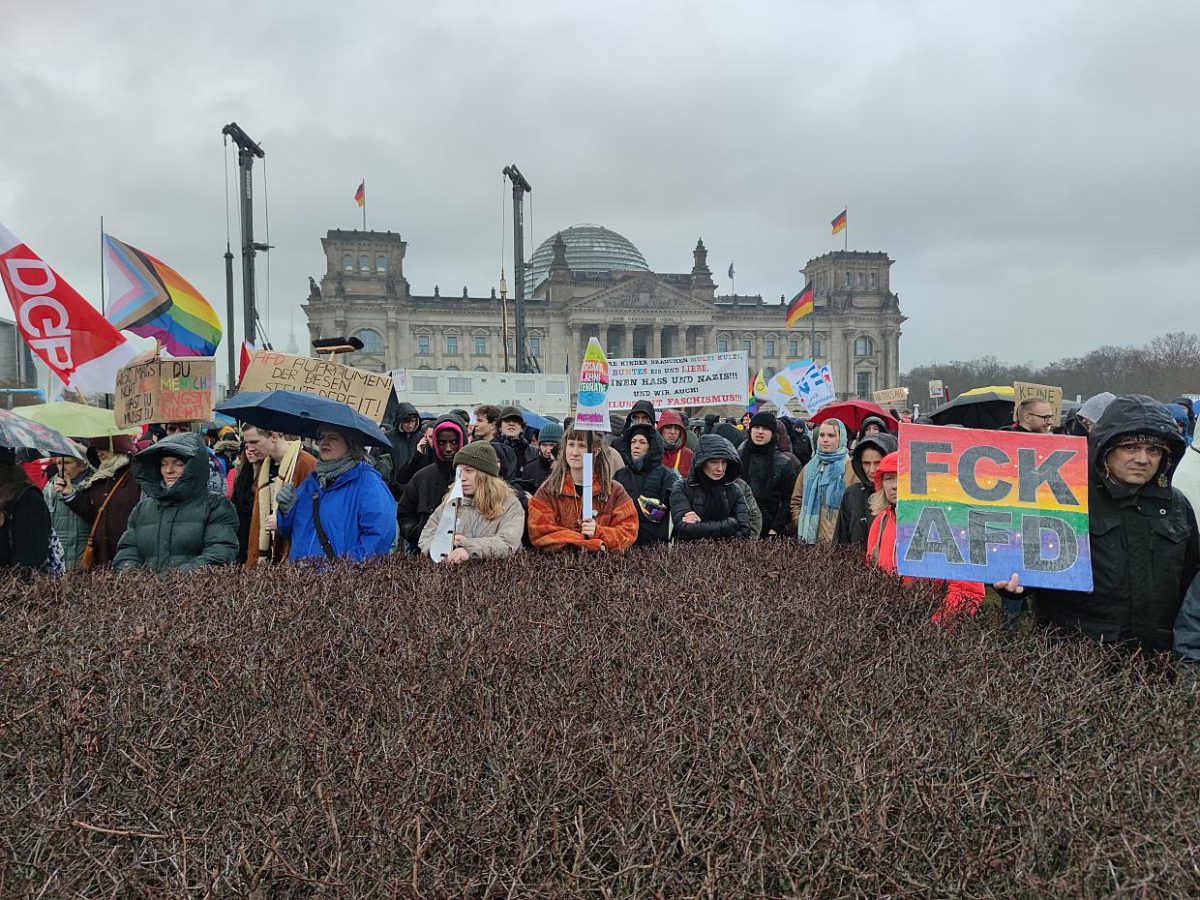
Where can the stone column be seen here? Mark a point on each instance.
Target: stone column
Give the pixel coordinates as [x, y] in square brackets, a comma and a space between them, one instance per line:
[439, 346]
[654, 351]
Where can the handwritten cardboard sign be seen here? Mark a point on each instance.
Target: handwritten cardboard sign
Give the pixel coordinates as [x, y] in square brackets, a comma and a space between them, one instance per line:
[364, 391]
[897, 397]
[165, 390]
[981, 505]
[1026, 390]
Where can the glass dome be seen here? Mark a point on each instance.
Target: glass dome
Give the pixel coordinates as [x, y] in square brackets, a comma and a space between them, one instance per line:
[590, 248]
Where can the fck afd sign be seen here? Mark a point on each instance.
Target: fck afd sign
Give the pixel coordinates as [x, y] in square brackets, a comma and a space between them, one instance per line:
[64, 330]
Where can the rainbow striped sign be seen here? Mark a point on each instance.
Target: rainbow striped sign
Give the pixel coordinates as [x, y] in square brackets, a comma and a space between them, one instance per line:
[980, 505]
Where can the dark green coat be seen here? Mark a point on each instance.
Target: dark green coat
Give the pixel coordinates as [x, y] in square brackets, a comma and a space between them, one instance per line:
[181, 527]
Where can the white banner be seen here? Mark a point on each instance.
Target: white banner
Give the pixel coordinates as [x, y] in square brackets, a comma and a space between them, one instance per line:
[815, 389]
[713, 379]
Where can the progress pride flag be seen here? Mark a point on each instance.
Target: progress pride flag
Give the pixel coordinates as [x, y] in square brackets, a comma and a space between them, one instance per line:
[67, 332]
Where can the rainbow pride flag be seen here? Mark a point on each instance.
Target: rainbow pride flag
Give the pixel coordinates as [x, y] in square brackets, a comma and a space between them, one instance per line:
[151, 299]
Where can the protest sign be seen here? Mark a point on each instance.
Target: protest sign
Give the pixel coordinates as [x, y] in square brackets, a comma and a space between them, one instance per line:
[591, 405]
[936, 390]
[710, 379]
[1025, 390]
[780, 390]
[364, 391]
[814, 387]
[165, 390]
[894, 397]
[981, 505]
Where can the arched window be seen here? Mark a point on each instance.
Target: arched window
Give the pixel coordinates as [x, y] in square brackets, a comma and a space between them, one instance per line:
[481, 368]
[348, 262]
[364, 263]
[864, 346]
[381, 264]
[371, 341]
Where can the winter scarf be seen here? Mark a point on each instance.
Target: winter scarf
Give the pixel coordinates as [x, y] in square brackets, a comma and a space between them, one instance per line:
[823, 486]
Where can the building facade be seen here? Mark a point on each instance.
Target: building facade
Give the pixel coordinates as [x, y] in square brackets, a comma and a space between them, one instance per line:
[588, 281]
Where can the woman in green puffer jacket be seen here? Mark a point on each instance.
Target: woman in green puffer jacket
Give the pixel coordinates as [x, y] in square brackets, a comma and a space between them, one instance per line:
[177, 524]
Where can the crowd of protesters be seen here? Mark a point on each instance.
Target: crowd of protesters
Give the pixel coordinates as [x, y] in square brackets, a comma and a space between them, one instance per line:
[183, 497]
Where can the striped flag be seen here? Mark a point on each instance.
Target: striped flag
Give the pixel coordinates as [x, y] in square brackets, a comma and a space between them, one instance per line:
[839, 222]
[360, 196]
[801, 306]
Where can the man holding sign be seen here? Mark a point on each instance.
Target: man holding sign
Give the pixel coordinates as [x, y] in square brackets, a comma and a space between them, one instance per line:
[1143, 535]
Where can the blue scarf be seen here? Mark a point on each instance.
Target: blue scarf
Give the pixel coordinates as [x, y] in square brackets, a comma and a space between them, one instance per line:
[824, 484]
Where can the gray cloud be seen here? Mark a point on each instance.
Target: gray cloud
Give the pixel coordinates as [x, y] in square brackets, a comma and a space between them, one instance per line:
[1030, 169]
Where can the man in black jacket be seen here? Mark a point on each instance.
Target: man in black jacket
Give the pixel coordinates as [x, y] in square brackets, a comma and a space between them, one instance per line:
[425, 490]
[770, 474]
[646, 480]
[525, 455]
[1145, 551]
[854, 518]
[404, 438]
[710, 504]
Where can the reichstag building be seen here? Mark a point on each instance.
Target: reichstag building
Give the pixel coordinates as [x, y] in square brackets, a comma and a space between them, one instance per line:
[587, 281]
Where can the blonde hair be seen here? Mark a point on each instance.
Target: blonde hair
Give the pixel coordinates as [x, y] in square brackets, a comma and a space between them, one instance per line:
[877, 502]
[491, 494]
[601, 468]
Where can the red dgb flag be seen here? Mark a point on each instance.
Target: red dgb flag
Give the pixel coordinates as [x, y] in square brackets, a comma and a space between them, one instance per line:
[68, 333]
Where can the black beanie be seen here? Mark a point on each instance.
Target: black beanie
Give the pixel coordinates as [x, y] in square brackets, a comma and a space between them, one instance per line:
[764, 419]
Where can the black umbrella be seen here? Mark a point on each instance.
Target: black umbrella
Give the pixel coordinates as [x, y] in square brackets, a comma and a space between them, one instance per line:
[303, 414]
[983, 410]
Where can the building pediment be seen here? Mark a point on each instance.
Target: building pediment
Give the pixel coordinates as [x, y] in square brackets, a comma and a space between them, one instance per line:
[643, 295]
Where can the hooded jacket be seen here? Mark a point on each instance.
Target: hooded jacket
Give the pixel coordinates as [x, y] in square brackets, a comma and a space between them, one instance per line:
[88, 501]
[520, 467]
[184, 526]
[646, 477]
[357, 513]
[721, 505]
[403, 447]
[1144, 545]
[427, 487]
[771, 476]
[677, 458]
[855, 517]
[962, 597]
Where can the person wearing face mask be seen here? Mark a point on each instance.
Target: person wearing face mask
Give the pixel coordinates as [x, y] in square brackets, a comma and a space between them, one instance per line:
[489, 520]
[1144, 546]
[179, 523]
[817, 495]
[855, 515]
[556, 519]
[342, 509]
[646, 480]
[428, 486]
[710, 504]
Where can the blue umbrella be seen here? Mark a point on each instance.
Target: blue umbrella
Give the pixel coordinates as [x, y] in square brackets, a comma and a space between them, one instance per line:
[533, 420]
[303, 414]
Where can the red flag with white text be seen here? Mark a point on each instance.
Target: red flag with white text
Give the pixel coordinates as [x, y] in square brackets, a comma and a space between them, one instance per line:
[64, 330]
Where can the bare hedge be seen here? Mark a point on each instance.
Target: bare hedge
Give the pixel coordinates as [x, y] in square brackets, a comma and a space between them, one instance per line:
[720, 719]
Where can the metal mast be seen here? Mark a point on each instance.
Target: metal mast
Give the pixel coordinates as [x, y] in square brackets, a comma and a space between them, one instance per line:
[520, 188]
[247, 150]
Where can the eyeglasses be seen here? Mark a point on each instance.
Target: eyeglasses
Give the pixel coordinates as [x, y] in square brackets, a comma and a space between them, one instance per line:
[1046, 418]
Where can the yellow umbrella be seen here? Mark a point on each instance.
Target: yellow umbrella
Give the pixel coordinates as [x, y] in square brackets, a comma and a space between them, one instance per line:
[1004, 390]
[74, 419]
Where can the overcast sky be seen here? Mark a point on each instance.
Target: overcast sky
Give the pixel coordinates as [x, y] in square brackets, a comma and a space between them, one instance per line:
[1031, 170]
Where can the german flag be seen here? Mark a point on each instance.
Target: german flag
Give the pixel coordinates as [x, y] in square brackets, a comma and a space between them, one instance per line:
[801, 306]
[360, 196]
[839, 222]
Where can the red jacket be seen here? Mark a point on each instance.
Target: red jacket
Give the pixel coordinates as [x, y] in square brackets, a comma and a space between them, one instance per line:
[962, 597]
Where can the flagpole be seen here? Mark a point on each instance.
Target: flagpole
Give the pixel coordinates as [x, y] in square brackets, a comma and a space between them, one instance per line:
[846, 230]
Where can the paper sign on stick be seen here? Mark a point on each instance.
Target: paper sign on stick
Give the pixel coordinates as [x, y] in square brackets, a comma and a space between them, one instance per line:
[981, 505]
[897, 397]
[165, 390]
[1025, 390]
[591, 407]
[364, 391]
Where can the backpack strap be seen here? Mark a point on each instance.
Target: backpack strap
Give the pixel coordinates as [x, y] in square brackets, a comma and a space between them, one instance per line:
[321, 535]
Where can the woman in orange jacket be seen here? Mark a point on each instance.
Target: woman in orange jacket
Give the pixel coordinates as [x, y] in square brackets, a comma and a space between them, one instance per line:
[962, 597]
[556, 510]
